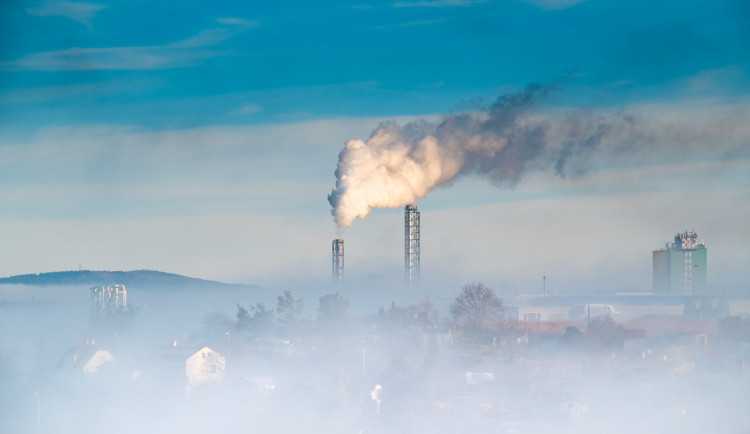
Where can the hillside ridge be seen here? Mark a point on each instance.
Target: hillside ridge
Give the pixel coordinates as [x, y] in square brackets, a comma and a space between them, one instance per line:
[93, 277]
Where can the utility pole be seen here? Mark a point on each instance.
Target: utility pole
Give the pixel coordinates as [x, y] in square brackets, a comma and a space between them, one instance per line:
[544, 284]
[229, 350]
[38, 413]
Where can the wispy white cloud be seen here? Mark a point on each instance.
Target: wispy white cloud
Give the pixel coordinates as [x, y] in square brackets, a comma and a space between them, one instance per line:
[245, 110]
[215, 36]
[712, 79]
[43, 94]
[412, 23]
[552, 5]
[235, 21]
[114, 58]
[619, 83]
[65, 154]
[437, 3]
[187, 52]
[77, 11]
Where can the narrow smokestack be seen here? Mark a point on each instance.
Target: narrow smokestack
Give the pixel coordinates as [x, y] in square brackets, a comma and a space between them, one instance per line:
[337, 251]
[411, 245]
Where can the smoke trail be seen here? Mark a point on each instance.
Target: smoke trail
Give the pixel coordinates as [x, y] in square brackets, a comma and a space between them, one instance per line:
[399, 165]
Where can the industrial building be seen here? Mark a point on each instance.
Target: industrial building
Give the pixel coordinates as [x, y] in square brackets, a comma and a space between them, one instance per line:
[624, 308]
[680, 268]
[411, 245]
[108, 299]
[337, 254]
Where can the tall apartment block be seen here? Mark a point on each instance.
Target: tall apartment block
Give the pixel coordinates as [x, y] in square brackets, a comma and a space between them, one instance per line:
[681, 267]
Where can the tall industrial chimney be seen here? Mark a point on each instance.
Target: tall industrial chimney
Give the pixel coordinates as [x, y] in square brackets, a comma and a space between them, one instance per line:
[411, 245]
[337, 251]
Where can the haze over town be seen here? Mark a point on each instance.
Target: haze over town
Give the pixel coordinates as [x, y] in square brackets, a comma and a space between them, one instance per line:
[551, 146]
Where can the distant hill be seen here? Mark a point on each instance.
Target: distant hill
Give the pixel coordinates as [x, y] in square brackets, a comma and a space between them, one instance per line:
[94, 278]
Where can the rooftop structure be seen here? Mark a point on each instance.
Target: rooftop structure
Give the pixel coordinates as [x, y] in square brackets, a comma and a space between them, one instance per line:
[680, 267]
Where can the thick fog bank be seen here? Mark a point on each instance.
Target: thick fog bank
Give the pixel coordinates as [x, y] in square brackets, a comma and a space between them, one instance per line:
[374, 358]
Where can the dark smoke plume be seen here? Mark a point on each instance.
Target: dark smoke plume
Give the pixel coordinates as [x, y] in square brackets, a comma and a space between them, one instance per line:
[399, 165]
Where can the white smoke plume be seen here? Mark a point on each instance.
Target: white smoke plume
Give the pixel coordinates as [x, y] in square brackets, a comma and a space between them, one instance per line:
[399, 165]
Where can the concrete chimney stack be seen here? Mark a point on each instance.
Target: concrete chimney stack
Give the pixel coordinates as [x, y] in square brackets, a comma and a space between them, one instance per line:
[337, 251]
[411, 245]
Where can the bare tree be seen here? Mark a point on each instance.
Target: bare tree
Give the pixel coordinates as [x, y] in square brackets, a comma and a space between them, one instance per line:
[604, 333]
[475, 304]
[332, 307]
[254, 318]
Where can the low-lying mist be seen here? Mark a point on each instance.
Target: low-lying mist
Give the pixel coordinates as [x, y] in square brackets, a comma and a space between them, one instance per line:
[240, 359]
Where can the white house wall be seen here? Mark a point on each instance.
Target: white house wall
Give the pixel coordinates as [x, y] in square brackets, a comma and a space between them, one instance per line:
[204, 367]
[99, 358]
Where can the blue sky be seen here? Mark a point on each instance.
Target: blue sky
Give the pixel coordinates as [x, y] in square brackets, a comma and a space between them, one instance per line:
[201, 138]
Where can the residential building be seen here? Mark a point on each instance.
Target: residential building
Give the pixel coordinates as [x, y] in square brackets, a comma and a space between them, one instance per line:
[681, 268]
